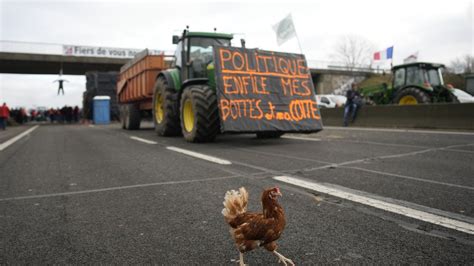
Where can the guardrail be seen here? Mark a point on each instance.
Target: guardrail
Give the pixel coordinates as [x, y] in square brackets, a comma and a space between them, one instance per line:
[455, 116]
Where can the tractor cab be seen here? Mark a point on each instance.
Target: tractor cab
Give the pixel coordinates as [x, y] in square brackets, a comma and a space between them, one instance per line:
[194, 52]
[419, 82]
[423, 75]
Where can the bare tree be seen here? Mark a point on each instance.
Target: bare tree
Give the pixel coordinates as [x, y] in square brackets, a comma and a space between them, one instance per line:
[354, 51]
[463, 64]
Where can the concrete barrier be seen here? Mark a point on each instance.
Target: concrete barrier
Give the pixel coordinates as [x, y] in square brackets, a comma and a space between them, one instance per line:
[432, 116]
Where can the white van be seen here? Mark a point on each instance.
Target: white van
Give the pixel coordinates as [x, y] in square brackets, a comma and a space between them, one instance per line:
[330, 100]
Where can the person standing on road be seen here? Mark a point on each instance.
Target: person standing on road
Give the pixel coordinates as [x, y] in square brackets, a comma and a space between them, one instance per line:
[353, 103]
[4, 114]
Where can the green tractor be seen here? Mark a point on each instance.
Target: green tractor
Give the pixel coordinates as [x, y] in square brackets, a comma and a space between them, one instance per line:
[182, 95]
[184, 100]
[413, 83]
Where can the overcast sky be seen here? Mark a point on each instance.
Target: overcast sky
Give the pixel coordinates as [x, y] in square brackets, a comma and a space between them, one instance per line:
[439, 30]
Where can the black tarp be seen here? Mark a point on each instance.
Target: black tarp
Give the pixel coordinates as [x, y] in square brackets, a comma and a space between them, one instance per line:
[261, 90]
[101, 84]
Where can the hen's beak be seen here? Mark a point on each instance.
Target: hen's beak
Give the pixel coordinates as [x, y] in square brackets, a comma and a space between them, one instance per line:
[278, 193]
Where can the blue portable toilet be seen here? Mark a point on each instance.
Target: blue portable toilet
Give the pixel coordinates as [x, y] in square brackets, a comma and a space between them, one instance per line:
[101, 110]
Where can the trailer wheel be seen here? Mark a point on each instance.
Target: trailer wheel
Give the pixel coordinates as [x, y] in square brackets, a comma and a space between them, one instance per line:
[165, 110]
[199, 115]
[130, 116]
[122, 116]
[411, 96]
[269, 134]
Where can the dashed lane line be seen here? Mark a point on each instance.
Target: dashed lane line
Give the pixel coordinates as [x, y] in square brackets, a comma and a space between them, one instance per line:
[70, 193]
[143, 140]
[186, 152]
[16, 138]
[380, 204]
[199, 155]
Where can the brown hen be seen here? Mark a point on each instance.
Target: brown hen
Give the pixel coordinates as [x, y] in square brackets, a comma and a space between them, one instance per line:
[252, 230]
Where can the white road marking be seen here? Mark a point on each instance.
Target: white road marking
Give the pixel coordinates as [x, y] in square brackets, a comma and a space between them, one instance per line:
[381, 143]
[90, 125]
[449, 148]
[410, 177]
[403, 130]
[457, 150]
[283, 156]
[390, 207]
[116, 188]
[300, 138]
[199, 155]
[16, 138]
[329, 165]
[334, 165]
[143, 140]
[424, 151]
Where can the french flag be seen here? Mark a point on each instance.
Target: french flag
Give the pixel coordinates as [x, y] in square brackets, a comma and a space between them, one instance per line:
[384, 54]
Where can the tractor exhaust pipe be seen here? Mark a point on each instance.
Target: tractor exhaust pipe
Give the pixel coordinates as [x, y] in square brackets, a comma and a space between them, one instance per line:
[242, 42]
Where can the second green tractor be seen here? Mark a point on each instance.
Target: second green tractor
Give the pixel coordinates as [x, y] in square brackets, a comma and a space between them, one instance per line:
[414, 83]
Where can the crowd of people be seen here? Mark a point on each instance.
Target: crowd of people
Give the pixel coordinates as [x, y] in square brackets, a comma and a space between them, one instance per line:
[66, 114]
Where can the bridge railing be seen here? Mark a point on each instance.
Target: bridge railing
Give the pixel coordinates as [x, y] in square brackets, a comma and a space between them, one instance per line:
[70, 50]
[30, 47]
[337, 65]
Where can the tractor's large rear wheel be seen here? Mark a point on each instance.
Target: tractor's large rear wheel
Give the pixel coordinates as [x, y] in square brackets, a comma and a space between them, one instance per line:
[165, 110]
[130, 116]
[198, 114]
[412, 96]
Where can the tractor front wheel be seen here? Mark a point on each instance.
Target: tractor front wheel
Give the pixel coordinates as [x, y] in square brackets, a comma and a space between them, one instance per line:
[198, 113]
[412, 96]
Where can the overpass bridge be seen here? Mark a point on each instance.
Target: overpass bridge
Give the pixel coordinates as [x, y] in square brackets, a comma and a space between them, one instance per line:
[23, 63]
[46, 58]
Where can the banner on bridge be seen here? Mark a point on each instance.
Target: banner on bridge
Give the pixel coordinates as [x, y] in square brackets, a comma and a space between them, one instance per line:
[92, 51]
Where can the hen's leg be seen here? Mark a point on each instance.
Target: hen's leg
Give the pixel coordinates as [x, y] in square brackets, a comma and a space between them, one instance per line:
[283, 259]
[241, 259]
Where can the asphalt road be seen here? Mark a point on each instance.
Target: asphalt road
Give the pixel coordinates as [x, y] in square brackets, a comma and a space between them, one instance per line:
[92, 194]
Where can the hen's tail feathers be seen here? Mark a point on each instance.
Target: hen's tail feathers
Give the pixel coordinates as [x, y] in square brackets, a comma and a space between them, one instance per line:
[235, 203]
